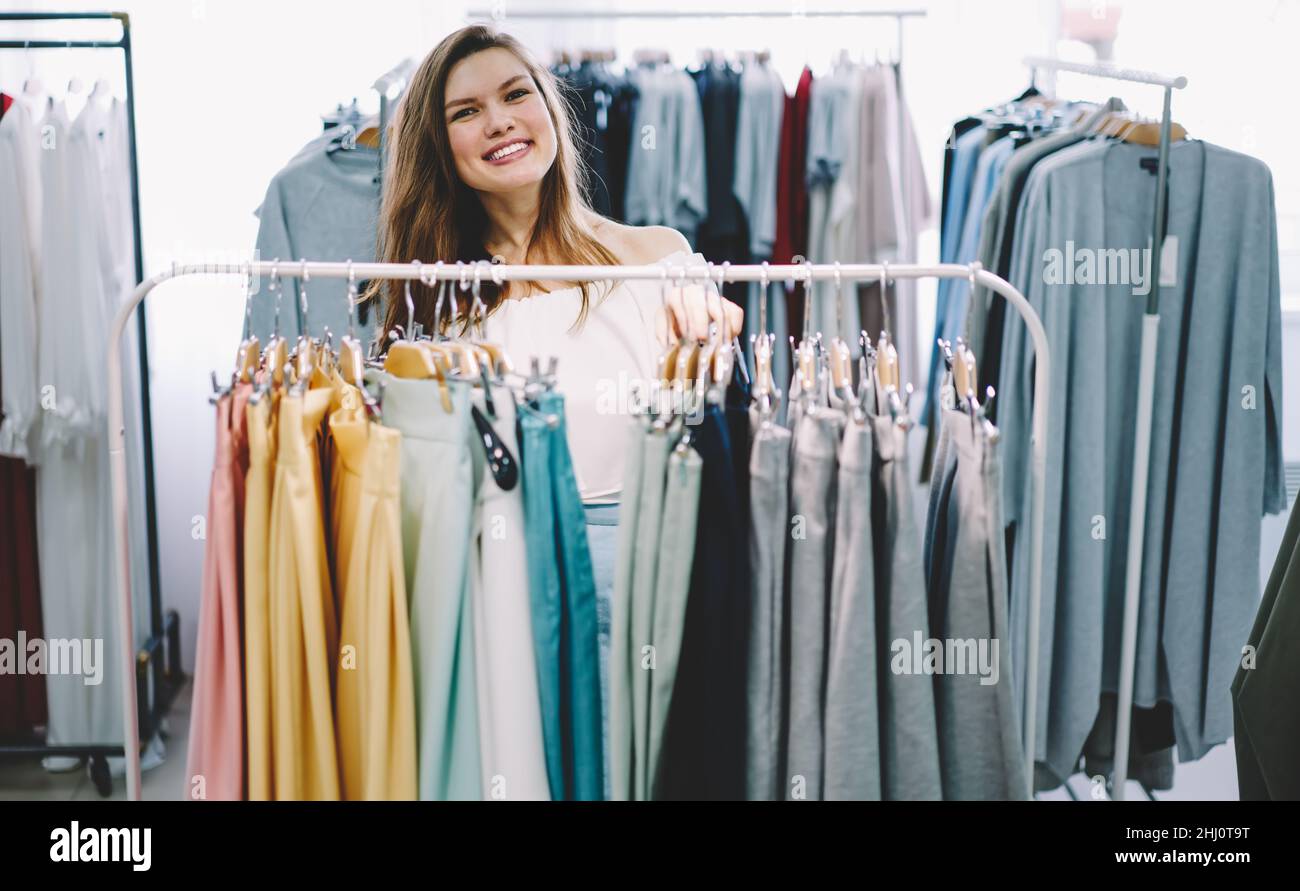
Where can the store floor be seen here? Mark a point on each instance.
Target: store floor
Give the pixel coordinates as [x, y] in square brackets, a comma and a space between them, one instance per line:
[25, 780]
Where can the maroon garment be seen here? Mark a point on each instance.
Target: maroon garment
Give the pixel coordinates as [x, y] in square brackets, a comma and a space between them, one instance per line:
[5, 101]
[792, 191]
[22, 696]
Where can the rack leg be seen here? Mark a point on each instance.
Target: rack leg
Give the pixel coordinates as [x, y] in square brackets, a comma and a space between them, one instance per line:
[1136, 541]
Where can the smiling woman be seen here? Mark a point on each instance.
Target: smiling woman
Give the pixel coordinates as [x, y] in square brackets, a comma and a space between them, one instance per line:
[485, 165]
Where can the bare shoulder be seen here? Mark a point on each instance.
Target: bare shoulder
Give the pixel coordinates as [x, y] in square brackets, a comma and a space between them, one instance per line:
[636, 245]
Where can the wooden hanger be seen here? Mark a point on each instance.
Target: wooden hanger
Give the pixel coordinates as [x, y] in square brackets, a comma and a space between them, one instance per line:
[1148, 133]
[887, 363]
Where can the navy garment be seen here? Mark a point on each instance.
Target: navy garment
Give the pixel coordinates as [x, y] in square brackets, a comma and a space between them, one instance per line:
[723, 236]
[703, 754]
[563, 597]
[603, 107]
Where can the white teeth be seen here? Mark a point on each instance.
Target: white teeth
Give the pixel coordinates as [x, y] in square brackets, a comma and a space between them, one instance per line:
[508, 150]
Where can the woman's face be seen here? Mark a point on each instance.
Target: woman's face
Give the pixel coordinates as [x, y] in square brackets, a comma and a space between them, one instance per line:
[500, 131]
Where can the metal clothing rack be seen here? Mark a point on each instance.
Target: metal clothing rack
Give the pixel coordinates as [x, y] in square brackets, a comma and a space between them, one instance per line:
[677, 274]
[160, 655]
[1146, 398]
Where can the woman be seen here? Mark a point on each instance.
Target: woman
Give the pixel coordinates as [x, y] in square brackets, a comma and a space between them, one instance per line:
[485, 167]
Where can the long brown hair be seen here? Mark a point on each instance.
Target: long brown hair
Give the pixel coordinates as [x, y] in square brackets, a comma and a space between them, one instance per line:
[428, 213]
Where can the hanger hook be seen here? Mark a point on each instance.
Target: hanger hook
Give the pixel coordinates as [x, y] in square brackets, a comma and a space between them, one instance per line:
[762, 298]
[410, 302]
[248, 299]
[352, 300]
[884, 287]
[722, 305]
[839, 299]
[302, 299]
[442, 293]
[477, 300]
[274, 286]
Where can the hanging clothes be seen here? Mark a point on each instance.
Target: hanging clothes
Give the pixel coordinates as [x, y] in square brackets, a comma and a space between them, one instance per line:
[666, 167]
[812, 554]
[509, 704]
[980, 755]
[759, 125]
[1193, 610]
[20, 234]
[893, 206]
[22, 695]
[303, 622]
[909, 754]
[704, 735]
[1266, 723]
[216, 748]
[563, 596]
[769, 477]
[852, 714]
[605, 108]
[791, 239]
[376, 685]
[324, 204]
[262, 446]
[437, 513]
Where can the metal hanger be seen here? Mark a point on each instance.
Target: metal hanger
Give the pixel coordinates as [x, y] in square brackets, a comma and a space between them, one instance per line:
[250, 350]
[765, 395]
[351, 358]
[277, 348]
[407, 359]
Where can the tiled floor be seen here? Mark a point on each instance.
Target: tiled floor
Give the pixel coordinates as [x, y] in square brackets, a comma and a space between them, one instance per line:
[25, 780]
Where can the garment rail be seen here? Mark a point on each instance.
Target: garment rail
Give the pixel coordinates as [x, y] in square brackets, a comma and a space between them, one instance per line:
[160, 655]
[675, 274]
[1146, 398]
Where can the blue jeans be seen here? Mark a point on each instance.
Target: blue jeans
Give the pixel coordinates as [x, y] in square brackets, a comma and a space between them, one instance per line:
[562, 592]
[602, 541]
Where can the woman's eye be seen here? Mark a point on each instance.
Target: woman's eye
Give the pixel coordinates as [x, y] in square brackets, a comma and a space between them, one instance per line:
[515, 94]
[460, 114]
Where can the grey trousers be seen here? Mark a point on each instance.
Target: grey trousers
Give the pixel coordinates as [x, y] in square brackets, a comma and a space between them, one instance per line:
[812, 505]
[769, 496]
[852, 726]
[673, 587]
[909, 748]
[620, 650]
[980, 754]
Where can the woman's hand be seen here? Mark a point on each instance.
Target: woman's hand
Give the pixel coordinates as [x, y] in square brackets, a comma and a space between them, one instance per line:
[690, 310]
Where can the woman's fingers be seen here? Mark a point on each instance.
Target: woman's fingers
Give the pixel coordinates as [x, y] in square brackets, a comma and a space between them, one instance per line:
[691, 309]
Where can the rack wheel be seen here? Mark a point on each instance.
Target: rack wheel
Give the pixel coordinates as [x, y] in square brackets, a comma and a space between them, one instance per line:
[100, 775]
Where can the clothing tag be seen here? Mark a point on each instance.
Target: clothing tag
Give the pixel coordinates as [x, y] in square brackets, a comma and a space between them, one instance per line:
[1169, 262]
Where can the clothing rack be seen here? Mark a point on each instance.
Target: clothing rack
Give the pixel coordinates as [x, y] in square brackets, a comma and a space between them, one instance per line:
[501, 14]
[1146, 397]
[164, 640]
[676, 275]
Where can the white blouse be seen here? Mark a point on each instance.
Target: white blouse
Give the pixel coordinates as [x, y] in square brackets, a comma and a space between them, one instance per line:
[603, 366]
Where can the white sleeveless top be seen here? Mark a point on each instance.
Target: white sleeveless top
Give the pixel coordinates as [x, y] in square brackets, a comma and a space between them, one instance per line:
[601, 365]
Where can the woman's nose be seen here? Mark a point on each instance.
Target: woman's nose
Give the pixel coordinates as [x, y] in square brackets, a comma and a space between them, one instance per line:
[497, 123]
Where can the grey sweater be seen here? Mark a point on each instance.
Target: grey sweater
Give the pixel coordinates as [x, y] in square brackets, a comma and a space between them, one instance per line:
[1216, 450]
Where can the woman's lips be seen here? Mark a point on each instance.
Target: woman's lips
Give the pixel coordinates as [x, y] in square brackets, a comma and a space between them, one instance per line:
[513, 156]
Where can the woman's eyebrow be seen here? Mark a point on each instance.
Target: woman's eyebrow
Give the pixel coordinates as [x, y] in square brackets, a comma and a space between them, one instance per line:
[455, 102]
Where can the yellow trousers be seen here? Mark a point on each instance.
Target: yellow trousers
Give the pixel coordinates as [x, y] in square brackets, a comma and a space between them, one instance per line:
[303, 625]
[375, 709]
[257, 605]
